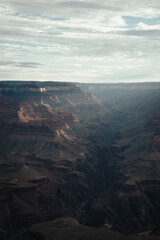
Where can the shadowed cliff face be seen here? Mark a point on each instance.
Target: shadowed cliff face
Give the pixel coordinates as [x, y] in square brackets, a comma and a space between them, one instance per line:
[92, 156]
[132, 202]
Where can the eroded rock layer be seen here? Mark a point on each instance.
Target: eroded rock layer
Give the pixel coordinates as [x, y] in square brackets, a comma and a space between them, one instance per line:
[65, 152]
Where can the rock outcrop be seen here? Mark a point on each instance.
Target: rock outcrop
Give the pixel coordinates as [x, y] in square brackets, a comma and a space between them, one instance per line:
[48, 161]
[66, 153]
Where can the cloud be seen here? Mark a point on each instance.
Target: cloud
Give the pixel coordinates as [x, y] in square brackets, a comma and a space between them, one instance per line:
[142, 26]
[70, 40]
[20, 64]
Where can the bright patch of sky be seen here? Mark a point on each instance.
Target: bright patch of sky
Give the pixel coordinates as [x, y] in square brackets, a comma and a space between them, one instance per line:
[80, 40]
[133, 21]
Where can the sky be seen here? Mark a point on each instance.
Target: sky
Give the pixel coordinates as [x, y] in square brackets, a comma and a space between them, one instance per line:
[80, 40]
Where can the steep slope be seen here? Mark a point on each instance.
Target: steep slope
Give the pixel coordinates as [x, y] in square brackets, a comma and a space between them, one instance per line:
[131, 203]
[66, 153]
[49, 157]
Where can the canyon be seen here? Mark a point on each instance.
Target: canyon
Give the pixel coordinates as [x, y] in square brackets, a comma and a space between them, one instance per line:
[89, 152]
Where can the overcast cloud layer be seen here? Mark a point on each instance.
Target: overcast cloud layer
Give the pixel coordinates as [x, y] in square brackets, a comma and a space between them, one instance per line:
[80, 40]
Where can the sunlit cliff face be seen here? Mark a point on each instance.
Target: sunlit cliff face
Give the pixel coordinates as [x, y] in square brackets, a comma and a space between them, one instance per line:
[86, 41]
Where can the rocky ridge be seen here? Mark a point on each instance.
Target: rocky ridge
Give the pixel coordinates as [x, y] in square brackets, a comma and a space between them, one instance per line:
[48, 161]
[65, 152]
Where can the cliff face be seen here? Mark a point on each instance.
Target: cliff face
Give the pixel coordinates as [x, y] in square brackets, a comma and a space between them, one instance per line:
[65, 152]
[48, 157]
[131, 202]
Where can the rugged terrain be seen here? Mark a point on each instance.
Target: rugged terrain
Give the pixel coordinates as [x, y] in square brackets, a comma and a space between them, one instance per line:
[135, 154]
[91, 152]
[69, 228]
